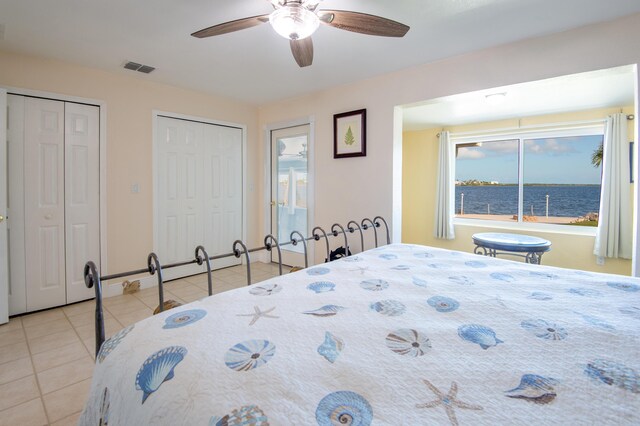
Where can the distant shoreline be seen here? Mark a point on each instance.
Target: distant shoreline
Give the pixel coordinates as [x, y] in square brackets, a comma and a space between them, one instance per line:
[528, 184]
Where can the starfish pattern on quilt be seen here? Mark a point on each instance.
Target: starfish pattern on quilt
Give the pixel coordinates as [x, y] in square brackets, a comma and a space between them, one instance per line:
[258, 314]
[449, 401]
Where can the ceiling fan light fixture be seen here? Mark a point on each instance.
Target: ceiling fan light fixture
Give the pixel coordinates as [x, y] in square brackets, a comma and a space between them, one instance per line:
[294, 22]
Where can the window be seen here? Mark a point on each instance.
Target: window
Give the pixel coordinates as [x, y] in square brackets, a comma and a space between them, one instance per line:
[550, 177]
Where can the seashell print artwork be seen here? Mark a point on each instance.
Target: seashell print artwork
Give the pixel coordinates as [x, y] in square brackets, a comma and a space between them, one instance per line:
[245, 415]
[321, 286]
[443, 304]
[614, 374]
[344, 408]
[406, 341]
[325, 311]
[265, 290]
[318, 271]
[544, 329]
[250, 354]
[331, 347]
[534, 388]
[630, 287]
[374, 285]
[158, 368]
[391, 308]
[110, 344]
[183, 318]
[484, 336]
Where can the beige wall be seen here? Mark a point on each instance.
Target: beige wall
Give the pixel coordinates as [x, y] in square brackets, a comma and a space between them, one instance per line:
[129, 102]
[419, 171]
[354, 188]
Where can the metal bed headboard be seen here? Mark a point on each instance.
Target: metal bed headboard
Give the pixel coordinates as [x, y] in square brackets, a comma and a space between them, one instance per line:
[93, 279]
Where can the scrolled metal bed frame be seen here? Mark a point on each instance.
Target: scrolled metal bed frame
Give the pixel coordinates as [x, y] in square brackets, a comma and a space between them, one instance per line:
[93, 279]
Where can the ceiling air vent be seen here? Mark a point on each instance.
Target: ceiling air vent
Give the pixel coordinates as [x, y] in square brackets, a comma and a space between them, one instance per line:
[134, 66]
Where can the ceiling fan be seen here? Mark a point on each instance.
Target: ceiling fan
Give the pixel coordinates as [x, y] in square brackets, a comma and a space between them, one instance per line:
[296, 20]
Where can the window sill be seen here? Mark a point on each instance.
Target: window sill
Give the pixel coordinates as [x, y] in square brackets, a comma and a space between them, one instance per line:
[527, 226]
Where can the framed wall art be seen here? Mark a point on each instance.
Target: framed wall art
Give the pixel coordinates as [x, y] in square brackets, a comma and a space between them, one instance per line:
[350, 134]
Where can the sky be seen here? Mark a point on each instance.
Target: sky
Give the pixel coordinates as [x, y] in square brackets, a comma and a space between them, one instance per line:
[565, 160]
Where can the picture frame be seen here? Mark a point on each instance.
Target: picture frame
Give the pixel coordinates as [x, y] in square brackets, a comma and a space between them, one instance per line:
[350, 134]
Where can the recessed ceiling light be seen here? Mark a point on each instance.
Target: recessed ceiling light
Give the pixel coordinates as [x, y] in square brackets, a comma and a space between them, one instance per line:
[496, 98]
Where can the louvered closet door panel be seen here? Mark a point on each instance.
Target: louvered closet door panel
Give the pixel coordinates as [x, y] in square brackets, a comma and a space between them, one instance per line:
[82, 200]
[44, 203]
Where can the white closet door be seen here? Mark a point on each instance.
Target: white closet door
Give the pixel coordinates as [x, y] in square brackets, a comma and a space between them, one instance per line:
[44, 203]
[198, 191]
[223, 190]
[17, 251]
[82, 197]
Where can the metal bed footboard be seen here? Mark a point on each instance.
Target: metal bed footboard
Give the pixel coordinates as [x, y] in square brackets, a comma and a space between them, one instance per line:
[93, 279]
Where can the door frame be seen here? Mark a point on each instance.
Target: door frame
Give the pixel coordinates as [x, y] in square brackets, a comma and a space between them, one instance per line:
[102, 105]
[4, 263]
[311, 179]
[176, 273]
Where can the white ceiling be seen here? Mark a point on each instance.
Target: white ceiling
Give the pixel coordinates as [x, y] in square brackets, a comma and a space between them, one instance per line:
[597, 89]
[255, 65]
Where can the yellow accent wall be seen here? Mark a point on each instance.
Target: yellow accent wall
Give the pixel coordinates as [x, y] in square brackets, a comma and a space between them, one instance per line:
[419, 176]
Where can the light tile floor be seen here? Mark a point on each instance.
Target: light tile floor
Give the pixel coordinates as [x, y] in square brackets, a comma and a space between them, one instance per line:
[46, 358]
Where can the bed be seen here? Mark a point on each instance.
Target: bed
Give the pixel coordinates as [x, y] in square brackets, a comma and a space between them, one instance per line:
[398, 335]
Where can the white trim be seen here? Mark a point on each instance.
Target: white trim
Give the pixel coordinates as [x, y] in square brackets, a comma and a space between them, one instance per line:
[311, 178]
[4, 265]
[396, 192]
[635, 258]
[527, 226]
[533, 129]
[102, 105]
[242, 127]
[531, 132]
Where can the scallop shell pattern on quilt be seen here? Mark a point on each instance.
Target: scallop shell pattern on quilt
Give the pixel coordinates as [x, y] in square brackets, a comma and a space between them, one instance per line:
[534, 388]
[391, 308]
[624, 286]
[462, 280]
[318, 271]
[374, 285]
[423, 255]
[321, 286]
[344, 408]
[543, 275]
[250, 354]
[401, 267]
[632, 311]
[244, 416]
[475, 264]
[614, 374]
[596, 321]
[406, 341]
[499, 276]
[158, 368]
[388, 256]
[325, 311]
[265, 290]
[538, 295]
[180, 319]
[443, 304]
[586, 292]
[482, 335]
[331, 347]
[110, 344]
[544, 329]
[419, 281]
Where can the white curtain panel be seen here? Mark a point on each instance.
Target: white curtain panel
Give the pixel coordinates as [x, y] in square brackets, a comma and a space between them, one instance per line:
[445, 192]
[615, 233]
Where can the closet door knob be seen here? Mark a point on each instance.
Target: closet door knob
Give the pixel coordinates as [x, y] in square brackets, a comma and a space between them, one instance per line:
[1, 218]
[48, 216]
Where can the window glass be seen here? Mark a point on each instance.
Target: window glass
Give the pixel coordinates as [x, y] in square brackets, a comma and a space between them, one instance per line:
[487, 180]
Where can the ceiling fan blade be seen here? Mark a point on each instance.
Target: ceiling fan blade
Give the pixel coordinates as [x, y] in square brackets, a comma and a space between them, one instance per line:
[362, 23]
[302, 51]
[231, 26]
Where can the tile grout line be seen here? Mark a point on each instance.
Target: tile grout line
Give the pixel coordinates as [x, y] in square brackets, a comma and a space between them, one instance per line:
[35, 375]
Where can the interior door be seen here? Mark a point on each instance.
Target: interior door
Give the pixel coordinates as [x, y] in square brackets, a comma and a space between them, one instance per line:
[4, 248]
[44, 203]
[82, 195]
[289, 184]
[198, 191]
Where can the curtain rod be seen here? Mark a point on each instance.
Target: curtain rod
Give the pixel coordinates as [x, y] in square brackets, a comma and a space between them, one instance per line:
[533, 127]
